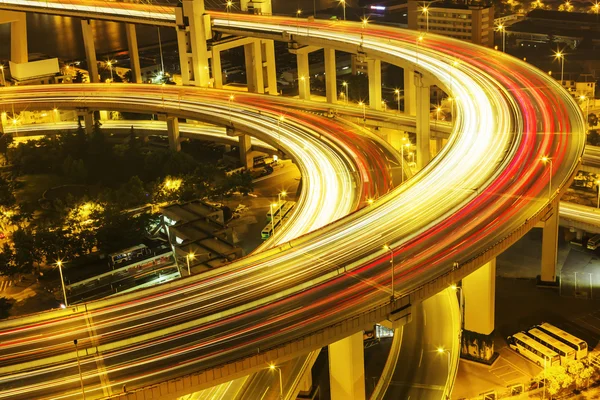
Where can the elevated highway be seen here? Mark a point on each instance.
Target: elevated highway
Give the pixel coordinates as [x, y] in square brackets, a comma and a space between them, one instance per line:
[244, 318]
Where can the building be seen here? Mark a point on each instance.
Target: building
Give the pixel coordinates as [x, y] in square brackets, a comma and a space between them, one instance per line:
[198, 228]
[472, 22]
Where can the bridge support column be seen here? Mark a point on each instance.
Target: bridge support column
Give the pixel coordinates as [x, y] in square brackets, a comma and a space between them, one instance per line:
[347, 368]
[254, 67]
[90, 50]
[410, 93]
[245, 145]
[269, 64]
[173, 132]
[303, 76]
[134, 54]
[191, 41]
[217, 70]
[479, 289]
[330, 76]
[18, 37]
[423, 124]
[374, 73]
[88, 120]
[550, 247]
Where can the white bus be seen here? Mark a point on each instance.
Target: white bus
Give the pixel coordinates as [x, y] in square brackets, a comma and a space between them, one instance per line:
[594, 242]
[580, 346]
[566, 353]
[536, 352]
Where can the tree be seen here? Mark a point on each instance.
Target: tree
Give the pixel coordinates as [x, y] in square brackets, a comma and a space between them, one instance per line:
[5, 306]
[7, 265]
[7, 196]
[26, 252]
[592, 119]
[117, 230]
[5, 142]
[78, 78]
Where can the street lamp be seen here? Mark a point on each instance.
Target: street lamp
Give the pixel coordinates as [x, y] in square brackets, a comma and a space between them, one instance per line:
[364, 106]
[62, 281]
[364, 21]
[596, 8]
[345, 85]
[343, 2]
[231, 97]
[425, 10]
[441, 350]
[110, 64]
[387, 248]
[272, 206]
[502, 28]
[370, 201]
[79, 368]
[559, 55]
[397, 93]
[587, 105]
[402, 157]
[281, 195]
[273, 367]
[419, 40]
[298, 12]
[228, 5]
[188, 257]
[548, 160]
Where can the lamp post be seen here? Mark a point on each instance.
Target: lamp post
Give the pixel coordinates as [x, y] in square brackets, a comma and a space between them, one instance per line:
[228, 5]
[345, 85]
[502, 29]
[110, 64]
[272, 206]
[231, 97]
[419, 40]
[587, 105]
[273, 367]
[425, 10]
[387, 248]
[62, 281]
[402, 158]
[442, 350]
[79, 368]
[397, 93]
[343, 2]
[559, 55]
[462, 304]
[298, 12]
[188, 257]
[280, 195]
[364, 107]
[548, 160]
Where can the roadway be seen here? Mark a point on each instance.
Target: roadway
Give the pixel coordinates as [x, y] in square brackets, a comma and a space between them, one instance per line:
[340, 271]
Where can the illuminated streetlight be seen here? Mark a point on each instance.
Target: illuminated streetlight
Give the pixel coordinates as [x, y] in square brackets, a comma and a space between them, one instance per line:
[231, 98]
[345, 85]
[370, 201]
[441, 350]
[188, 257]
[502, 28]
[272, 206]
[273, 367]
[559, 55]
[419, 40]
[397, 93]
[298, 12]
[343, 3]
[548, 160]
[281, 195]
[387, 248]
[364, 106]
[425, 10]
[228, 5]
[110, 64]
[59, 264]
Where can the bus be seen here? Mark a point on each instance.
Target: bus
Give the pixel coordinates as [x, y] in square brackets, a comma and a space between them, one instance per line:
[566, 353]
[580, 346]
[135, 253]
[594, 242]
[536, 352]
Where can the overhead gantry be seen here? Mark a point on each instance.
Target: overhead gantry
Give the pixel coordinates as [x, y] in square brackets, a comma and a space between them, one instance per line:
[478, 196]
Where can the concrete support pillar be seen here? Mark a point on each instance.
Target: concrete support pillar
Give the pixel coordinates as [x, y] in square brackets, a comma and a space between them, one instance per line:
[410, 94]
[269, 65]
[245, 145]
[374, 73]
[191, 40]
[217, 70]
[330, 76]
[550, 247]
[173, 132]
[478, 292]
[134, 54]
[18, 37]
[254, 67]
[90, 50]
[347, 368]
[303, 76]
[423, 123]
[88, 120]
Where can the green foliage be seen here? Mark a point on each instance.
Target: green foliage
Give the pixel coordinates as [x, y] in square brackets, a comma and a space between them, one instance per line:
[7, 197]
[117, 230]
[5, 142]
[593, 138]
